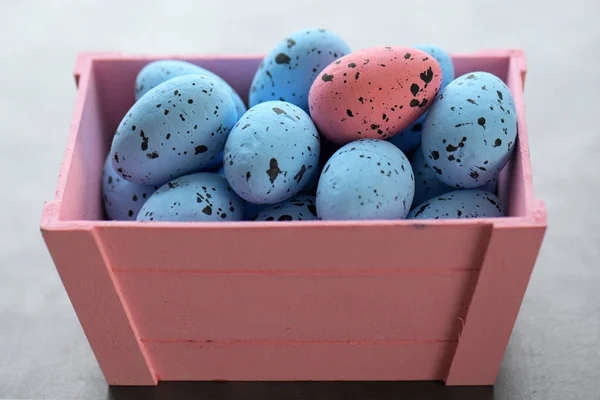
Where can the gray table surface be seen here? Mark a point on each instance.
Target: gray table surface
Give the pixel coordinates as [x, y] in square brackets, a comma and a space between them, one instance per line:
[554, 351]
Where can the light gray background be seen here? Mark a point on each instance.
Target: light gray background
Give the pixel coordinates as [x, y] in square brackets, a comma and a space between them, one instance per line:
[554, 351]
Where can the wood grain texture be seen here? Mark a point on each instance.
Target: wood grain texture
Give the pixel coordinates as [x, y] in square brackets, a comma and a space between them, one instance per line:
[188, 306]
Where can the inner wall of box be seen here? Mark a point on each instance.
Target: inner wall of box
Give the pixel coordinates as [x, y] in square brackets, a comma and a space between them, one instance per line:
[110, 93]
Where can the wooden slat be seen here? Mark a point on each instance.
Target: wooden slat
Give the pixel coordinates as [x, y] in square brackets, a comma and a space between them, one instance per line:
[184, 306]
[300, 361]
[495, 304]
[100, 308]
[305, 247]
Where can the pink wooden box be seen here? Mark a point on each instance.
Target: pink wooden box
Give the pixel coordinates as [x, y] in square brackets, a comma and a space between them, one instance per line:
[382, 300]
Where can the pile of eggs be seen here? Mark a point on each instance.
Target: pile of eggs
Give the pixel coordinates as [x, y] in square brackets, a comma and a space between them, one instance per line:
[326, 137]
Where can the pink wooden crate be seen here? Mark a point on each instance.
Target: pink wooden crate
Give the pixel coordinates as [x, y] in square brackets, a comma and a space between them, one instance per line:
[377, 300]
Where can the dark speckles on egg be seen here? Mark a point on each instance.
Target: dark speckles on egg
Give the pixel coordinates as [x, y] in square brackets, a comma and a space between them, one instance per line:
[200, 149]
[270, 161]
[293, 64]
[414, 89]
[366, 167]
[282, 58]
[427, 75]
[484, 154]
[459, 204]
[189, 200]
[151, 141]
[144, 141]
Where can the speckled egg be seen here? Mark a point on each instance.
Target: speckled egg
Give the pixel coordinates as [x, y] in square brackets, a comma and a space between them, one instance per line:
[373, 93]
[251, 210]
[443, 58]
[426, 183]
[459, 204]
[410, 138]
[311, 186]
[366, 179]
[202, 196]
[470, 130]
[327, 150]
[428, 186]
[299, 208]
[289, 70]
[157, 72]
[215, 164]
[177, 128]
[122, 199]
[271, 153]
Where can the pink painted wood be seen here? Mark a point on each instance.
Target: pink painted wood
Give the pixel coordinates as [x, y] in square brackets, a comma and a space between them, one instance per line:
[301, 360]
[258, 249]
[256, 306]
[379, 300]
[97, 299]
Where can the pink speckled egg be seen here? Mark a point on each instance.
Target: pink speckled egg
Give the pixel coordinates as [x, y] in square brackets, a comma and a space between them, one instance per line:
[373, 93]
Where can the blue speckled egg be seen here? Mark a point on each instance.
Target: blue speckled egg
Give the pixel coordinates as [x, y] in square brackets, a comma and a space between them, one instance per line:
[311, 186]
[443, 58]
[298, 208]
[459, 204]
[410, 138]
[366, 179]
[251, 210]
[426, 183]
[271, 153]
[215, 165]
[157, 72]
[122, 199]
[202, 196]
[470, 130]
[289, 70]
[177, 128]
